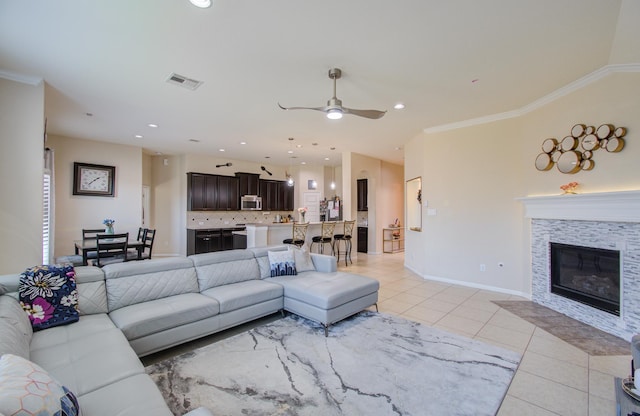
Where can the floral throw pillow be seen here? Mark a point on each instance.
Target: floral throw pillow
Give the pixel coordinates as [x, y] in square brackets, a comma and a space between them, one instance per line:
[49, 295]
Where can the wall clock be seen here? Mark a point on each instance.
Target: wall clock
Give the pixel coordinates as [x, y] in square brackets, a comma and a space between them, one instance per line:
[95, 180]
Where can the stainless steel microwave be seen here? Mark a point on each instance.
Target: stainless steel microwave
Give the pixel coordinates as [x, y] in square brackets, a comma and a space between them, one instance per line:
[251, 203]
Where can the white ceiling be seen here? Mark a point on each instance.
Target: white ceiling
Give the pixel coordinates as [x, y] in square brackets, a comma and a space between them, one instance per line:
[111, 58]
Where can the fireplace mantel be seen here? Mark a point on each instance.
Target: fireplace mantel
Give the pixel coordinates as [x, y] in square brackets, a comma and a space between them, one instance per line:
[620, 206]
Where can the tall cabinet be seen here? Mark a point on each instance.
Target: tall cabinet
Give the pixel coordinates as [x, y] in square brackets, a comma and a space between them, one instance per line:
[363, 194]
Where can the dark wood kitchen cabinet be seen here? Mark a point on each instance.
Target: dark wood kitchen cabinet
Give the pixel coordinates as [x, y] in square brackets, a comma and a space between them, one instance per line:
[363, 194]
[202, 192]
[363, 239]
[285, 196]
[212, 192]
[269, 194]
[228, 193]
[249, 183]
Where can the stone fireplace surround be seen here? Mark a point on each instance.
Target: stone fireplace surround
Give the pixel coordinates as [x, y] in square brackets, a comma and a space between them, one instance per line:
[608, 220]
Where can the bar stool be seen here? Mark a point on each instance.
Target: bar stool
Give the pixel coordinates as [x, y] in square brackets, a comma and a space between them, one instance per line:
[346, 237]
[299, 235]
[326, 237]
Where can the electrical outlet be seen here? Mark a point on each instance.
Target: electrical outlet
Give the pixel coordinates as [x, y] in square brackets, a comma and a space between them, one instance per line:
[483, 267]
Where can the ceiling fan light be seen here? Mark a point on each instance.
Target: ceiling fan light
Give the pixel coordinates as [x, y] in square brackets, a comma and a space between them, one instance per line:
[334, 114]
[203, 4]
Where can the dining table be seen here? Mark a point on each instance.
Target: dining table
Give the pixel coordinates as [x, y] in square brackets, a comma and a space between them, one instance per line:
[87, 246]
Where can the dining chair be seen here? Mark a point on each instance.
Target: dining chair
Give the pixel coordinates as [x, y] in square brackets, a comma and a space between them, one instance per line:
[91, 234]
[112, 248]
[148, 239]
[132, 253]
[299, 234]
[325, 237]
[141, 233]
[346, 237]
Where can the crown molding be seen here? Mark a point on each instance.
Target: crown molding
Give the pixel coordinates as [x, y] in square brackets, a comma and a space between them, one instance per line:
[541, 102]
[24, 79]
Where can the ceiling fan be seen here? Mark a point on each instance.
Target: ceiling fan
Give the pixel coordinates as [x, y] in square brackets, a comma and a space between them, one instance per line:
[334, 108]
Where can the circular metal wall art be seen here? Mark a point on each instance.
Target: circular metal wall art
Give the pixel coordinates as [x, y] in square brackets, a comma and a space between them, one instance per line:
[575, 152]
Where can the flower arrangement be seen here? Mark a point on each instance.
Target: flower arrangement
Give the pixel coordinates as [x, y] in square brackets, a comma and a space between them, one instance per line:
[302, 211]
[569, 188]
[108, 222]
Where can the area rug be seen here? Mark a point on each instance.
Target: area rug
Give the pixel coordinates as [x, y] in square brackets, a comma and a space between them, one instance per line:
[370, 364]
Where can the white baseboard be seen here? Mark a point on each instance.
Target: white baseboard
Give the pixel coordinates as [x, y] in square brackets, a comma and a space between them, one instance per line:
[471, 284]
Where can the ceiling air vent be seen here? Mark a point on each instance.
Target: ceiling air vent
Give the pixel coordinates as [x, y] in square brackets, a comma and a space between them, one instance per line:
[184, 82]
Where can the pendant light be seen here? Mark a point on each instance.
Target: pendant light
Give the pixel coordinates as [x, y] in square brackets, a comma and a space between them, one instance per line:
[333, 176]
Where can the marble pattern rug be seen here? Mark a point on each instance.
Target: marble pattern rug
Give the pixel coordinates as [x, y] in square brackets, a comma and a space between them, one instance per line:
[371, 364]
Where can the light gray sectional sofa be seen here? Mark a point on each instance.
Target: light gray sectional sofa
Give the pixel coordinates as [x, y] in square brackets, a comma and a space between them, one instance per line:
[134, 309]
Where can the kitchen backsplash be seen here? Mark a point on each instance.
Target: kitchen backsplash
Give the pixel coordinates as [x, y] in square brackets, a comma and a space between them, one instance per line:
[221, 219]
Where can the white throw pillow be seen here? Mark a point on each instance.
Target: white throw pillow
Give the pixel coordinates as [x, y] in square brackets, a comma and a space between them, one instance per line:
[282, 263]
[25, 388]
[302, 258]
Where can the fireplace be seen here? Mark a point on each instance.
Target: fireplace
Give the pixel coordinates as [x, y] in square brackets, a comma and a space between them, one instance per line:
[587, 275]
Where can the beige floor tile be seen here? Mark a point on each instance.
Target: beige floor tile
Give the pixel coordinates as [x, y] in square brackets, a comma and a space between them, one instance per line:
[489, 296]
[552, 396]
[485, 305]
[403, 285]
[393, 306]
[449, 297]
[556, 348]
[601, 385]
[505, 336]
[556, 370]
[615, 365]
[424, 314]
[466, 325]
[386, 293]
[439, 305]
[521, 350]
[601, 407]
[512, 406]
[460, 291]
[472, 313]
[408, 298]
[453, 330]
[507, 320]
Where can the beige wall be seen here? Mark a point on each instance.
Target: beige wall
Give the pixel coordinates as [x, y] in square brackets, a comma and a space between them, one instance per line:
[21, 169]
[75, 212]
[471, 177]
[385, 193]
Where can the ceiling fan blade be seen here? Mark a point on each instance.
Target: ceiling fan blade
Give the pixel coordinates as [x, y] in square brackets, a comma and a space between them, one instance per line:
[374, 114]
[303, 108]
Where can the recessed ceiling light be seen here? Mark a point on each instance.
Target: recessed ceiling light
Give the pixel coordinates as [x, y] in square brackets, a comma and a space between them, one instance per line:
[203, 4]
[153, 126]
[243, 142]
[220, 150]
[303, 163]
[398, 106]
[138, 136]
[326, 158]
[298, 146]
[159, 153]
[290, 151]
[397, 148]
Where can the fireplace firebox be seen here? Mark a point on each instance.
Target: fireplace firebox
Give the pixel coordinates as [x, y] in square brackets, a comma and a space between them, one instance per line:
[587, 275]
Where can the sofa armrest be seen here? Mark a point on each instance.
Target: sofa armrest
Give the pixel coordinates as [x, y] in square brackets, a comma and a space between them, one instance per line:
[324, 263]
[200, 411]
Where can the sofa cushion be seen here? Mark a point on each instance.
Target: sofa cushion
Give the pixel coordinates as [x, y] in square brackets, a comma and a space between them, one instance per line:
[26, 388]
[15, 328]
[142, 281]
[261, 255]
[225, 267]
[89, 362]
[49, 295]
[243, 294]
[68, 334]
[327, 290]
[302, 258]
[154, 316]
[282, 263]
[133, 396]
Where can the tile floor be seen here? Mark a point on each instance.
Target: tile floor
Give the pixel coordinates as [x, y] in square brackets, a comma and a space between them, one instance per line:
[554, 377]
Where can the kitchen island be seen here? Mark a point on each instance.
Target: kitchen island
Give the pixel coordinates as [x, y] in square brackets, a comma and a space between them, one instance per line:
[263, 234]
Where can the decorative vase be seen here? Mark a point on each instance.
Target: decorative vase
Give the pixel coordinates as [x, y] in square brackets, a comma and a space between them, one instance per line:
[302, 217]
[109, 229]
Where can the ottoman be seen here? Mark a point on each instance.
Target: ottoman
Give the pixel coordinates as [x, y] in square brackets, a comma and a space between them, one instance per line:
[328, 297]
